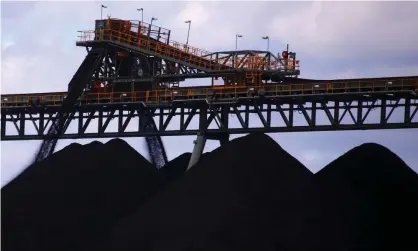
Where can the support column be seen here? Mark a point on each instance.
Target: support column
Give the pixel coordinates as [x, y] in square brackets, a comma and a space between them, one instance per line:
[197, 150]
[201, 137]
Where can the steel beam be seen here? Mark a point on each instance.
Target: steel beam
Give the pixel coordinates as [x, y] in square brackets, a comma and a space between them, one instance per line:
[171, 119]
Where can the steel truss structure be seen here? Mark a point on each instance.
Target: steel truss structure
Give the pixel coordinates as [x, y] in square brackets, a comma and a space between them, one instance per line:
[239, 59]
[166, 59]
[137, 62]
[341, 112]
[121, 65]
[127, 56]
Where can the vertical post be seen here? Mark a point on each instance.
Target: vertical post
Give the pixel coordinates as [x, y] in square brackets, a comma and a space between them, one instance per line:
[268, 41]
[152, 19]
[41, 123]
[101, 11]
[269, 115]
[407, 114]
[225, 117]
[313, 114]
[3, 124]
[359, 112]
[236, 49]
[291, 110]
[268, 44]
[142, 14]
[337, 112]
[247, 116]
[22, 124]
[100, 124]
[159, 34]
[80, 121]
[168, 37]
[142, 19]
[149, 32]
[188, 32]
[383, 112]
[181, 119]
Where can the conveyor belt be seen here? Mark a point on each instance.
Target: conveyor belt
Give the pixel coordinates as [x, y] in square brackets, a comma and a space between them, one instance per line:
[295, 87]
[180, 53]
[143, 44]
[75, 89]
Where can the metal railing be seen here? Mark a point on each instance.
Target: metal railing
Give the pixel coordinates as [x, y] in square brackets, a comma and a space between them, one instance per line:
[186, 53]
[155, 96]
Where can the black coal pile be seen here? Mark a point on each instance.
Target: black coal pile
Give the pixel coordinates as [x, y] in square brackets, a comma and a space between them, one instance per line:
[236, 198]
[74, 196]
[249, 194]
[177, 167]
[365, 200]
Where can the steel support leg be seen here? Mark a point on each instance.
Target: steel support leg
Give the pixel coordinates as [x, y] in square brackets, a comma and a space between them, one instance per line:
[197, 150]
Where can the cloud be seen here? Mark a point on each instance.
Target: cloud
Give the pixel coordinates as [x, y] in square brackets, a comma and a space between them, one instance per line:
[378, 71]
[195, 11]
[32, 73]
[6, 45]
[349, 29]
[15, 9]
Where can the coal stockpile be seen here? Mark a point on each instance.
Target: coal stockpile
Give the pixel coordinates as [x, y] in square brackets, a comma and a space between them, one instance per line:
[249, 194]
[236, 198]
[75, 195]
[365, 200]
[177, 167]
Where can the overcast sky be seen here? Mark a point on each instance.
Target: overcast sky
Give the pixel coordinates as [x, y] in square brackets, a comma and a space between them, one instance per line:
[332, 40]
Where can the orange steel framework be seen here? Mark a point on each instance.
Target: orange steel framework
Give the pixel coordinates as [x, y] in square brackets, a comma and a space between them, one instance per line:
[231, 92]
[155, 41]
[165, 47]
[187, 53]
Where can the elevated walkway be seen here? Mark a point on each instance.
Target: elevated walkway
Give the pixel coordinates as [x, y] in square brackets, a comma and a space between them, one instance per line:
[155, 41]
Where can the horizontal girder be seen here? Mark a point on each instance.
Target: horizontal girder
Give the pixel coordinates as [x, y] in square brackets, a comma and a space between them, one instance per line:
[305, 113]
